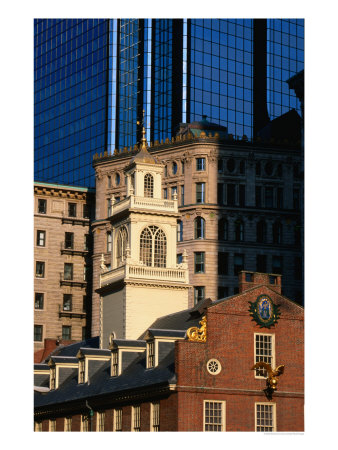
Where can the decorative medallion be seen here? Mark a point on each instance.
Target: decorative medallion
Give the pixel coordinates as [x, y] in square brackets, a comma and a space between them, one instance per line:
[264, 311]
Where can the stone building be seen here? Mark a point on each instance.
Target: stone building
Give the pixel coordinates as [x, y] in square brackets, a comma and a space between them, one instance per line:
[62, 264]
[240, 206]
[193, 370]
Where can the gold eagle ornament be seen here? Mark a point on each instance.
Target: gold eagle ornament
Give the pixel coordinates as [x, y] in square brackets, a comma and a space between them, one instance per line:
[273, 374]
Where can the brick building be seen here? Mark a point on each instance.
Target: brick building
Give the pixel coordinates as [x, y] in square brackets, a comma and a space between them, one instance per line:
[191, 371]
[62, 264]
[240, 204]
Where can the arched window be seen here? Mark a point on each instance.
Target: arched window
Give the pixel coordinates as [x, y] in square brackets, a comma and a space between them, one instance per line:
[277, 233]
[261, 231]
[148, 185]
[199, 228]
[153, 247]
[239, 230]
[223, 230]
[179, 231]
[121, 245]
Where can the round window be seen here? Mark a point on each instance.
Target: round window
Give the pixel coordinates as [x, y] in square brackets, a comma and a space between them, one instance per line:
[214, 366]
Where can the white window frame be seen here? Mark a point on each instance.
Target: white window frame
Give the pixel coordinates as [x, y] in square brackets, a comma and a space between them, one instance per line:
[117, 424]
[68, 424]
[223, 412]
[151, 354]
[257, 357]
[100, 418]
[84, 423]
[274, 416]
[37, 426]
[136, 418]
[82, 370]
[155, 416]
[52, 425]
[115, 363]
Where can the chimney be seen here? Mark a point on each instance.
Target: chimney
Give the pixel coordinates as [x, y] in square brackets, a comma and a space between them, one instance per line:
[248, 280]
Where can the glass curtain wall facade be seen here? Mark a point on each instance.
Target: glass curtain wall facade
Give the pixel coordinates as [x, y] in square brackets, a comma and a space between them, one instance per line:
[70, 93]
[94, 78]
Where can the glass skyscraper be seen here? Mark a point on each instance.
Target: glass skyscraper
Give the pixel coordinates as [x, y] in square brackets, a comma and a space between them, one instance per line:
[95, 77]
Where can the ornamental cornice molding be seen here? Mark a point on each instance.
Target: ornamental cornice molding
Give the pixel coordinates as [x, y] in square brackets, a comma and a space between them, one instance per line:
[156, 284]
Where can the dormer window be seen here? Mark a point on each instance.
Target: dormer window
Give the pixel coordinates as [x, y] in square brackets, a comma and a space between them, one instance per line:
[52, 378]
[81, 371]
[114, 363]
[150, 354]
[148, 185]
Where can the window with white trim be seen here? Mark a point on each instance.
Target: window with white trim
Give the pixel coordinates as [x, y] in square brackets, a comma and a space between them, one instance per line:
[214, 415]
[37, 426]
[150, 354]
[265, 417]
[118, 419]
[153, 247]
[52, 378]
[81, 370]
[155, 416]
[100, 421]
[148, 185]
[121, 246]
[264, 351]
[68, 424]
[136, 418]
[84, 422]
[114, 364]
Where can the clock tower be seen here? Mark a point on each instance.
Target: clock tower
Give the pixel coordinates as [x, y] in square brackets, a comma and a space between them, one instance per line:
[144, 281]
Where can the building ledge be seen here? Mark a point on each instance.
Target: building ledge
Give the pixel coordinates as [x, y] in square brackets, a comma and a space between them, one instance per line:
[178, 274]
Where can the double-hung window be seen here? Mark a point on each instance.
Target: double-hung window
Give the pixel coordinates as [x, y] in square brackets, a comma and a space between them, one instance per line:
[68, 271]
[199, 262]
[200, 164]
[264, 351]
[214, 415]
[69, 240]
[100, 421]
[155, 416]
[136, 418]
[42, 206]
[200, 192]
[39, 297]
[72, 209]
[38, 333]
[118, 419]
[40, 269]
[265, 416]
[41, 238]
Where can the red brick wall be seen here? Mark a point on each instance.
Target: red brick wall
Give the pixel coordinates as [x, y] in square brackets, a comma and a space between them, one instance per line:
[230, 339]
